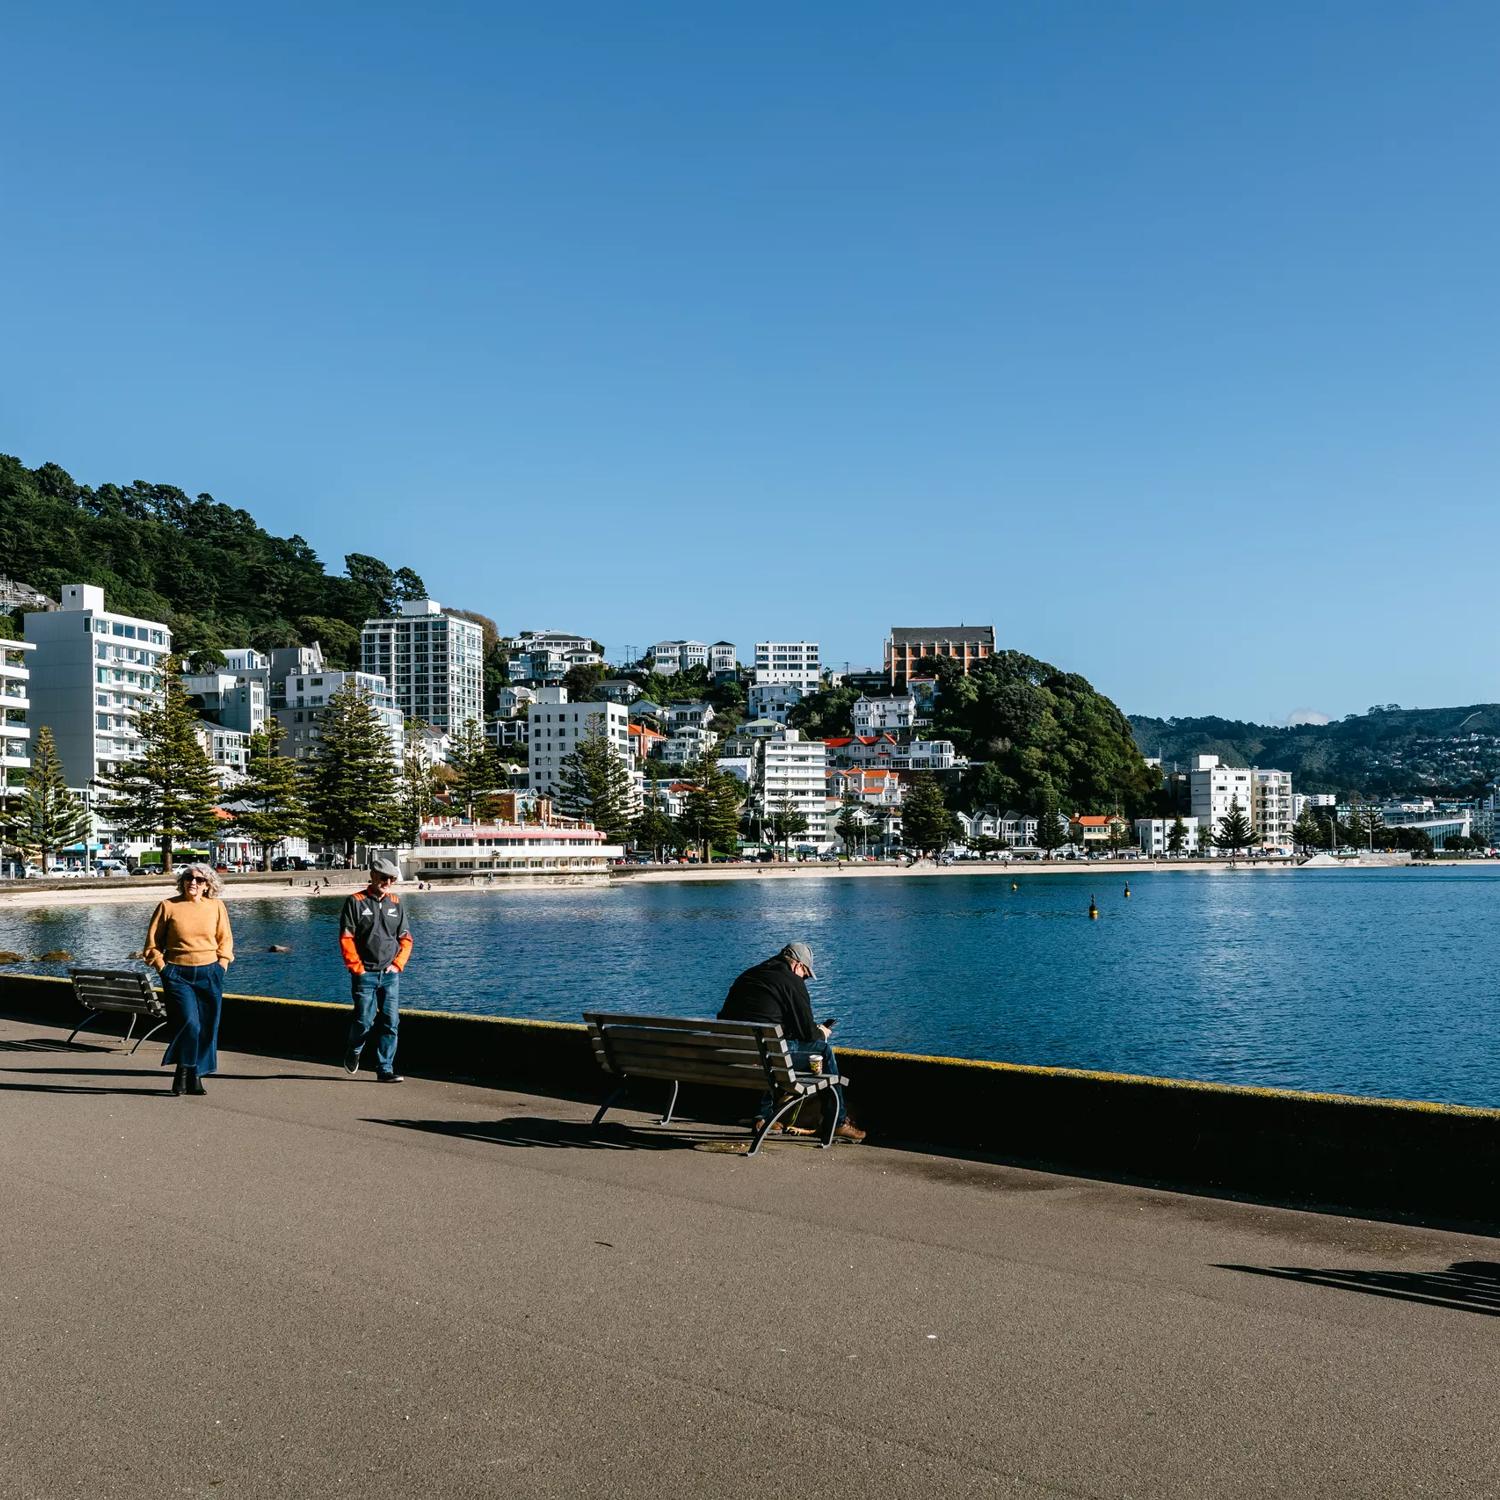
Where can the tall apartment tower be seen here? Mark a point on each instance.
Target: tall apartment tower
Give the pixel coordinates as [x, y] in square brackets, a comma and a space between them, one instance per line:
[433, 662]
[795, 776]
[91, 672]
[787, 664]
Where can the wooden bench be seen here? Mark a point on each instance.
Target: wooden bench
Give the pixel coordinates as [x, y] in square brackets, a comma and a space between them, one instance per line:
[126, 991]
[726, 1054]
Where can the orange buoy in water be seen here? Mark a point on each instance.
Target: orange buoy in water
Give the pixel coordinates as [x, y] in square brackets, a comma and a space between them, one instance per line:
[1093, 910]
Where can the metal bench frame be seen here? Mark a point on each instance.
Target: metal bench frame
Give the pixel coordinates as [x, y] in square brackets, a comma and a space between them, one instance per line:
[123, 991]
[726, 1054]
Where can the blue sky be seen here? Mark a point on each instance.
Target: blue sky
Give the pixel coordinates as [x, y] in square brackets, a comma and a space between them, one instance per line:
[1162, 336]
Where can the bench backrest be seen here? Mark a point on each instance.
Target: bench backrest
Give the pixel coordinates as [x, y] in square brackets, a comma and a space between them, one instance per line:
[117, 989]
[731, 1054]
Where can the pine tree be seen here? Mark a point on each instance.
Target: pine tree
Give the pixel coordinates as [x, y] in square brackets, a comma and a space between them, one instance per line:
[1050, 832]
[927, 824]
[786, 821]
[418, 797]
[475, 767]
[268, 804]
[1307, 831]
[169, 793]
[594, 783]
[711, 809]
[851, 823]
[1234, 832]
[654, 829]
[1177, 836]
[46, 816]
[351, 784]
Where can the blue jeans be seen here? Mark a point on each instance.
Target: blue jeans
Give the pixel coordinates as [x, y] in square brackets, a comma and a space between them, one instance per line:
[801, 1052]
[375, 1000]
[194, 996]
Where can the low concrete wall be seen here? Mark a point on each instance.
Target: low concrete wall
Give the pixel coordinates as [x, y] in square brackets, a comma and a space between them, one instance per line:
[1387, 1158]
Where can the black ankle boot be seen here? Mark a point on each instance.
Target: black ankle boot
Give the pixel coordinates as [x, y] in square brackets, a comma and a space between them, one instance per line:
[177, 1079]
[193, 1083]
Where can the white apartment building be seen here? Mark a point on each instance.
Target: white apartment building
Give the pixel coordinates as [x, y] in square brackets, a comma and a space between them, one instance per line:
[307, 695]
[1271, 805]
[794, 663]
[696, 715]
[1214, 788]
[795, 771]
[686, 745]
[579, 646]
[1154, 835]
[926, 755]
[236, 700]
[15, 755]
[557, 727]
[91, 671]
[433, 663]
[772, 700]
[723, 656]
[884, 715]
[228, 749]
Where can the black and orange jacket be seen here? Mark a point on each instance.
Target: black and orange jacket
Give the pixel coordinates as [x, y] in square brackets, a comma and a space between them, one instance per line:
[373, 933]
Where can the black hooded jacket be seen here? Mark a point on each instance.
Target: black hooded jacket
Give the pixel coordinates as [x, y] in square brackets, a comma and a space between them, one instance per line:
[771, 992]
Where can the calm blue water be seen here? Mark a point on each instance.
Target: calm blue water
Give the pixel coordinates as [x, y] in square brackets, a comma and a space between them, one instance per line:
[1373, 982]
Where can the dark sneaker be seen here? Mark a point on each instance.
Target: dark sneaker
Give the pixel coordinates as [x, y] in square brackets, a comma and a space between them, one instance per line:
[351, 1063]
[389, 1078]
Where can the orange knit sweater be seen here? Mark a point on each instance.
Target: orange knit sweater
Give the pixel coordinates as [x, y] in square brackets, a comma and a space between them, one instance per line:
[189, 932]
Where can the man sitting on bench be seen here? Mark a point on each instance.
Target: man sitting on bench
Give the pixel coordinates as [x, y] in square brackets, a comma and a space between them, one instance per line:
[776, 992]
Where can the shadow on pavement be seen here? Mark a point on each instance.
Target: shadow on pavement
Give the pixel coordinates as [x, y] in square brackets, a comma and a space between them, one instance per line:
[78, 1088]
[45, 1044]
[524, 1130]
[1466, 1286]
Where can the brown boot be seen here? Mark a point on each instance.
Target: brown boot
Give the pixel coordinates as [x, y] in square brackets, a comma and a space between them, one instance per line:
[849, 1131]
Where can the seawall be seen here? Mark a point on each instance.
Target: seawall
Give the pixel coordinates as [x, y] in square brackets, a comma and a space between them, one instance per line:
[1382, 1158]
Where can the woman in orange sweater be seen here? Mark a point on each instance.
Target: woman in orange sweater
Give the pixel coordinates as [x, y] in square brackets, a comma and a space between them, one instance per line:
[189, 943]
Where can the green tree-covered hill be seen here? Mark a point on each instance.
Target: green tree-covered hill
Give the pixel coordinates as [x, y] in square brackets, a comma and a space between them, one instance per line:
[1386, 751]
[207, 569]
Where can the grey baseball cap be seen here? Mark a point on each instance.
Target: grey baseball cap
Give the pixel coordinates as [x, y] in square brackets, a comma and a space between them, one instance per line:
[385, 867]
[802, 954]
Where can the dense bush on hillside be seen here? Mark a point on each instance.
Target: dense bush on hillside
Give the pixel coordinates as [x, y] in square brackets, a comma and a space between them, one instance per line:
[205, 568]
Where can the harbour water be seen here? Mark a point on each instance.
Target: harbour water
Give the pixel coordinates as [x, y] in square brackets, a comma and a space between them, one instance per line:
[1379, 982]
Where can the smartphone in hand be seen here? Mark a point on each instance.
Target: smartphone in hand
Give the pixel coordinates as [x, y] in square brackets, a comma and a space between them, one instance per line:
[831, 1022]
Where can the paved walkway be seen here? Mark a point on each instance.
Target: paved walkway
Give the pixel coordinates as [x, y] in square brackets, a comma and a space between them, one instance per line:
[310, 1285]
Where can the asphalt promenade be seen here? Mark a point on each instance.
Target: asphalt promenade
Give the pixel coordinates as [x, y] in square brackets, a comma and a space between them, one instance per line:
[310, 1285]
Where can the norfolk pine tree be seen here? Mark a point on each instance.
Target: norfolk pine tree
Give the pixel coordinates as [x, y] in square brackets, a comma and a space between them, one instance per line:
[270, 806]
[353, 795]
[786, 822]
[1050, 834]
[594, 783]
[711, 810]
[169, 792]
[476, 768]
[418, 798]
[46, 816]
[1234, 832]
[926, 823]
[1177, 836]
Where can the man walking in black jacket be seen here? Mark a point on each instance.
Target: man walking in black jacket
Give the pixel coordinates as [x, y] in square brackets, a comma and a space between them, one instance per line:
[775, 992]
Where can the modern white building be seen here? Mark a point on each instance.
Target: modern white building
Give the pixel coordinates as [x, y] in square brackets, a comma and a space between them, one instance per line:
[15, 700]
[307, 695]
[794, 663]
[91, 672]
[794, 771]
[1155, 835]
[237, 700]
[433, 663]
[1271, 805]
[556, 728]
[884, 715]
[228, 749]
[772, 700]
[1213, 789]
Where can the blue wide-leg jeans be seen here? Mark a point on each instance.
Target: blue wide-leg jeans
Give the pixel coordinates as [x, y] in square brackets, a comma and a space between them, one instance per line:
[800, 1053]
[375, 1000]
[194, 996]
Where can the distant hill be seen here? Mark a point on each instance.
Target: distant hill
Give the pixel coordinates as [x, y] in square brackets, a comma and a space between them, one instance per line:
[1442, 751]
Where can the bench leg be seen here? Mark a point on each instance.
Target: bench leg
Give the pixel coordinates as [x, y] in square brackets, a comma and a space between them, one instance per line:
[146, 1036]
[129, 1032]
[88, 1020]
[609, 1103]
[666, 1119]
[765, 1129]
[832, 1111]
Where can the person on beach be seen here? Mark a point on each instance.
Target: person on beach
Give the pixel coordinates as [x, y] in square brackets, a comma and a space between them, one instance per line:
[776, 992]
[375, 939]
[189, 943]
